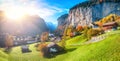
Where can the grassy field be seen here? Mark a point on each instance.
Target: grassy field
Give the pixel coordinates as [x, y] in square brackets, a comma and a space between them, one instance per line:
[105, 50]
[3, 56]
[76, 40]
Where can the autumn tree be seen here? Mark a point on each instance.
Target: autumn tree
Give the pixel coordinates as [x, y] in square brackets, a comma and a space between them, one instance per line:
[69, 30]
[86, 28]
[93, 32]
[100, 24]
[9, 41]
[109, 18]
[79, 28]
[41, 48]
[43, 45]
[44, 36]
[118, 22]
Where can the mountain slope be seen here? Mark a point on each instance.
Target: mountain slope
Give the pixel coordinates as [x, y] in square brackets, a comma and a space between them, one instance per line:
[29, 25]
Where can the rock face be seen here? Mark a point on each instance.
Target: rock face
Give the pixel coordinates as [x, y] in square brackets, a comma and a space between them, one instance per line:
[87, 12]
[62, 21]
[28, 26]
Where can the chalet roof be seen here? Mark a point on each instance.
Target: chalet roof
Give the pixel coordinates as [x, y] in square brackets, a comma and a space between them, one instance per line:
[109, 23]
[118, 18]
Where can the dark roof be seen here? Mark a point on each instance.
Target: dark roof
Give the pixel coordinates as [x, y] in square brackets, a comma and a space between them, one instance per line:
[118, 18]
[110, 23]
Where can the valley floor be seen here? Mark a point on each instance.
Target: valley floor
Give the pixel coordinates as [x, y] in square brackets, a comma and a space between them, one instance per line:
[105, 50]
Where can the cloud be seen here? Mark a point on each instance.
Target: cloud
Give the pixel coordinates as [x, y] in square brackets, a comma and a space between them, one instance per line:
[44, 10]
[41, 8]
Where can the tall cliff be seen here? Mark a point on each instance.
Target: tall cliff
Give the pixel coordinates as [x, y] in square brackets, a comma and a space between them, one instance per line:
[87, 12]
[62, 21]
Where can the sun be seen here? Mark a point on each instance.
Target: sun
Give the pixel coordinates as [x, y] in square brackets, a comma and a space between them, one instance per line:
[16, 13]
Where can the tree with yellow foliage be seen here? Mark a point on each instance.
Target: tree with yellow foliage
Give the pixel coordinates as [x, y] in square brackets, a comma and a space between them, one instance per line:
[93, 32]
[9, 41]
[79, 28]
[100, 24]
[44, 37]
[69, 30]
[86, 28]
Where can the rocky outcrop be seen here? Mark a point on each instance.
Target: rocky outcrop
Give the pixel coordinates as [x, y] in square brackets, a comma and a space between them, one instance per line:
[87, 12]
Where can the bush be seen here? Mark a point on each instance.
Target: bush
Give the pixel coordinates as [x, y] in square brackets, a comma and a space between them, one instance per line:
[41, 46]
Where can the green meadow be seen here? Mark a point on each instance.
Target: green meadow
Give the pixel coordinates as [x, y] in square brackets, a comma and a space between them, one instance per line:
[104, 50]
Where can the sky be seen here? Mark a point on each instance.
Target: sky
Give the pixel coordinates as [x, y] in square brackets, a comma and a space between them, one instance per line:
[49, 10]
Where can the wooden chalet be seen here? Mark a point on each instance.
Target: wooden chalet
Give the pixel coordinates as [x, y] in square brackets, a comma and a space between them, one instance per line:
[109, 26]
